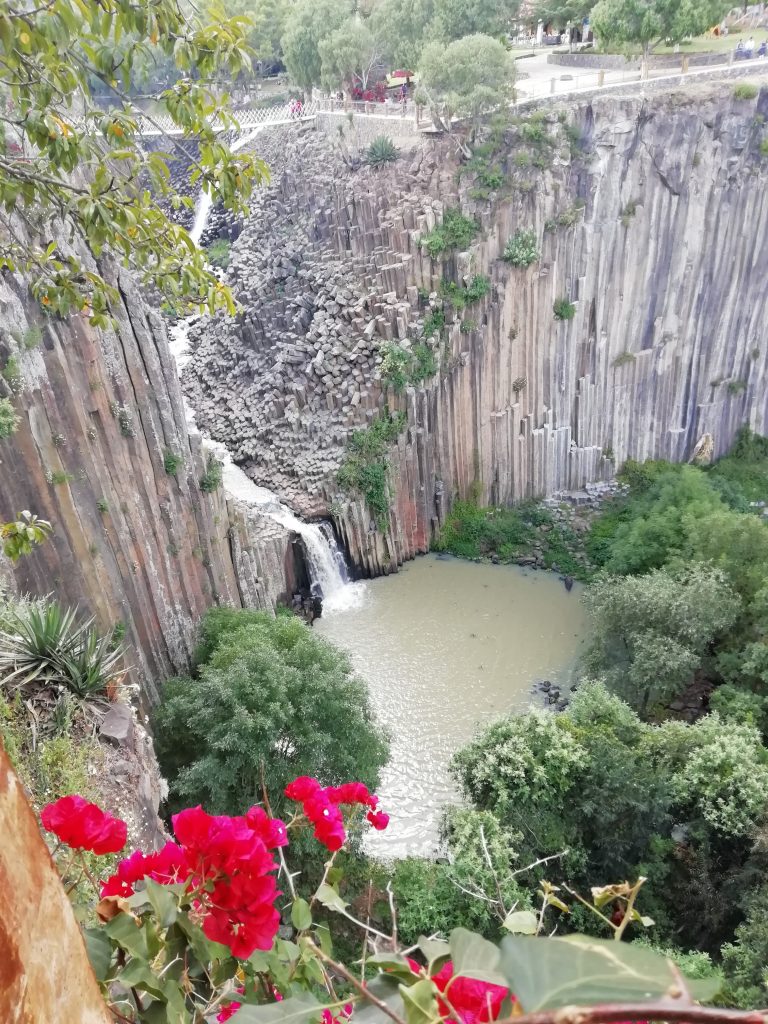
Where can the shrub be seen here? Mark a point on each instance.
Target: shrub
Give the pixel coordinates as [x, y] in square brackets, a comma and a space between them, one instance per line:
[467, 325]
[395, 365]
[211, 479]
[455, 232]
[366, 466]
[735, 387]
[521, 250]
[563, 309]
[477, 288]
[46, 646]
[491, 177]
[745, 91]
[61, 476]
[623, 359]
[172, 462]
[22, 534]
[424, 363]
[218, 253]
[628, 212]
[11, 373]
[9, 421]
[271, 700]
[433, 323]
[382, 151]
[102, 505]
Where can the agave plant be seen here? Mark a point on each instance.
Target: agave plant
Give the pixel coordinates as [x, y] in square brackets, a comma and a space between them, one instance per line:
[382, 151]
[47, 645]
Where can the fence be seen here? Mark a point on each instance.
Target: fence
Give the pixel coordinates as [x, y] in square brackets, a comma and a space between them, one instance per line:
[248, 118]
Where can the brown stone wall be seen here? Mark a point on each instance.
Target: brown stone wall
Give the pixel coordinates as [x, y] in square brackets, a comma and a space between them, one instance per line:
[45, 976]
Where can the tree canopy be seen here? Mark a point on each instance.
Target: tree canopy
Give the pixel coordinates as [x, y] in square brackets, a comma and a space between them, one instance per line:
[351, 54]
[73, 173]
[272, 700]
[466, 79]
[649, 22]
[308, 23]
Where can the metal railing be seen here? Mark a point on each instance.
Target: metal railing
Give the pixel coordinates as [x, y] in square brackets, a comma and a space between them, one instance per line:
[246, 118]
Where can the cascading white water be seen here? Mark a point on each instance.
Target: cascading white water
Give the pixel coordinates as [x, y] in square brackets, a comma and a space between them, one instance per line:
[325, 560]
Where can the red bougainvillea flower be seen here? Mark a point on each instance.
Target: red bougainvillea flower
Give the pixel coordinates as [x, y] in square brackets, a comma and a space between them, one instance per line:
[321, 806]
[229, 1009]
[472, 1000]
[227, 866]
[166, 866]
[340, 1018]
[271, 831]
[84, 826]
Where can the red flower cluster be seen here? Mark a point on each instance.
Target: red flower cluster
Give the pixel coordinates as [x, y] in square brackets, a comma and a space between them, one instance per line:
[321, 806]
[84, 826]
[230, 1009]
[375, 95]
[473, 1001]
[227, 864]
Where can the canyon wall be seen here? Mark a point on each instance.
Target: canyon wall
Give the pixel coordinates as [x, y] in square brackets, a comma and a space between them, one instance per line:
[650, 220]
[132, 543]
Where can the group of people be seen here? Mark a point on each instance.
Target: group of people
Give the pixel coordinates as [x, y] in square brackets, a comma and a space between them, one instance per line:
[746, 50]
[296, 108]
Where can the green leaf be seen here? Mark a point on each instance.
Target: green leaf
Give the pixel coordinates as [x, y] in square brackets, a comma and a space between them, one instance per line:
[385, 988]
[330, 898]
[393, 964]
[99, 951]
[163, 903]
[419, 1002]
[289, 1011]
[521, 922]
[301, 915]
[549, 973]
[434, 950]
[475, 957]
[128, 935]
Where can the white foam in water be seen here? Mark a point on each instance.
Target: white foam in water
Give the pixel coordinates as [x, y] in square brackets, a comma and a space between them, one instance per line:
[326, 565]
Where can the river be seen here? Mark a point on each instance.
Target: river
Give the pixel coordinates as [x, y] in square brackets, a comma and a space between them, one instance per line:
[446, 646]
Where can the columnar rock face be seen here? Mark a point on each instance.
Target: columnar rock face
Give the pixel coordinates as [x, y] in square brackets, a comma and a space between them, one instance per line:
[652, 224]
[132, 543]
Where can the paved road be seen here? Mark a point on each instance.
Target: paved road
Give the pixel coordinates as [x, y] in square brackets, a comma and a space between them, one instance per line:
[543, 79]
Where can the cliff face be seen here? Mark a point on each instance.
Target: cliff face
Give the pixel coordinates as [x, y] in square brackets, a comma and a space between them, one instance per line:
[132, 543]
[665, 266]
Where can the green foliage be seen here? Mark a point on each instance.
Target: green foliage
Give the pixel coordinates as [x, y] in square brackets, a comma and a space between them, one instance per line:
[349, 54]
[651, 632]
[742, 475]
[86, 160]
[382, 151]
[735, 387]
[745, 91]
[269, 697]
[9, 421]
[436, 897]
[764, 148]
[22, 534]
[61, 476]
[628, 212]
[307, 24]
[745, 961]
[365, 469]
[102, 505]
[623, 359]
[455, 232]
[563, 309]
[459, 296]
[521, 249]
[466, 79]
[401, 367]
[622, 22]
[47, 646]
[172, 462]
[613, 791]
[218, 253]
[467, 325]
[508, 534]
[434, 322]
[11, 371]
[213, 476]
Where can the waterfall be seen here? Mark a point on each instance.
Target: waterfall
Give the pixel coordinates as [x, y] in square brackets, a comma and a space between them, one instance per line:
[325, 560]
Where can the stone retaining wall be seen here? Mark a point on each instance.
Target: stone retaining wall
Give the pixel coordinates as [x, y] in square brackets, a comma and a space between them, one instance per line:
[364, 128]
[618, 62]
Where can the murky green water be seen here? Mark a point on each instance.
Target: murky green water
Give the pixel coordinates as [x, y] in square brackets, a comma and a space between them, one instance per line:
[446, 646]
